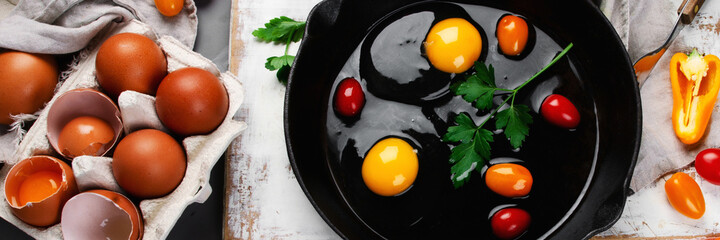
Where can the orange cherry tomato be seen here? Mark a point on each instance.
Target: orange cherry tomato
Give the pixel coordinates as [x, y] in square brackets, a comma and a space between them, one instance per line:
[512, 35]
[509, 180]
[169, 7]
[685, 195]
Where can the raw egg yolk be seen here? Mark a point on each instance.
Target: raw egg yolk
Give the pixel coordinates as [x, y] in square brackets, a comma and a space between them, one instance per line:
[453, 45]
[38, 186]
[390, 167]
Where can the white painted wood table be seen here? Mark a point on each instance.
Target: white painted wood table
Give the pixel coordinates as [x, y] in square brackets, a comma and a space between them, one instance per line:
[264, 200]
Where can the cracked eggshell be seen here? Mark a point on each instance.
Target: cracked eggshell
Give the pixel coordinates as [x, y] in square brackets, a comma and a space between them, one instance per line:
[101, 214]
[46, 211]
[78, 103]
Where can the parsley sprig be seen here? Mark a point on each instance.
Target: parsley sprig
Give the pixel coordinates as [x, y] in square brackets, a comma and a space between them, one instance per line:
[281, 30]
[474, 141]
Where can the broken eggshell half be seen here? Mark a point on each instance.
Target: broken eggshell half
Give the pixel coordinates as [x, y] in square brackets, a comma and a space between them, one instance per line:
[83, 103]
[101, 214]
[35, 174]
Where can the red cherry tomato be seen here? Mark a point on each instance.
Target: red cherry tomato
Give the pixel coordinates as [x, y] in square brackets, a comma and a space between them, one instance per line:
[349, 98]
[685, 195]
[707, 164]
[512, 35]
[559, 111]
[510, 223]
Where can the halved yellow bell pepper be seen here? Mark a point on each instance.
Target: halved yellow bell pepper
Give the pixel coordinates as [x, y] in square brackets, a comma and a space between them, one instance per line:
[695, 84]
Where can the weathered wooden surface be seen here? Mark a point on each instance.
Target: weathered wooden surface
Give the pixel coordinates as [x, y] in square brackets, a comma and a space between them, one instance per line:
[648, 214]
[264, 201]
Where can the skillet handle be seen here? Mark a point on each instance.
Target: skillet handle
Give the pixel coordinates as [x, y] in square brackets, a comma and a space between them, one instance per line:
[691, 10]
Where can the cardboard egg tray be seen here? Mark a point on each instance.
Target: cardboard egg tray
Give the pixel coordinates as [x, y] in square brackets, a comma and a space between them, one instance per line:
[203, 151]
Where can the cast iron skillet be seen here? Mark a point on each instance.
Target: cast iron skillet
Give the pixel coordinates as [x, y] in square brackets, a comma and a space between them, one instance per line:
[335, 27]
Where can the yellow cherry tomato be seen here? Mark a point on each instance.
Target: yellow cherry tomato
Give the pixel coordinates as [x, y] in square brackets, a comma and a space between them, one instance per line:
[169, 7]
[390, 167]
[509, 180]
[453, 45]
[512, 35]
[685, 195]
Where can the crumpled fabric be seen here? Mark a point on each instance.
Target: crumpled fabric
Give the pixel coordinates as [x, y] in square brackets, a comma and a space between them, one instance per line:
[648, 24]
[67, 26]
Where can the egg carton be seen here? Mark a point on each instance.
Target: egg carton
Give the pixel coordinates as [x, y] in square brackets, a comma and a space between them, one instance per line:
[203, 151]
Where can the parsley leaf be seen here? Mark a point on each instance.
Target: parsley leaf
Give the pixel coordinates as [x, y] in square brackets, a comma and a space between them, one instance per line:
[515, 120]
[461, 170]
[479, 87]
[275, 63]
[281, 30]
[482, 141]
[473, 151]
[283, 74]
[487, 74]
[474, 147]
[463, 132]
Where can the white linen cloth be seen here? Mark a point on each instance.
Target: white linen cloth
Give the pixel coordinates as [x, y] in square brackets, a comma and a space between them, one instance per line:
[647, 25]
[66, 26]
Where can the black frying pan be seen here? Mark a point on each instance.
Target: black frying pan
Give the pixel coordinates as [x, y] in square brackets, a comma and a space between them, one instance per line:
[336, 27]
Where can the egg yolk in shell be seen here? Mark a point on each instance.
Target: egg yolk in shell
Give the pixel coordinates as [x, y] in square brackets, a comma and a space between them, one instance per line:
[390, 167]
[453, 45]
[38, 186]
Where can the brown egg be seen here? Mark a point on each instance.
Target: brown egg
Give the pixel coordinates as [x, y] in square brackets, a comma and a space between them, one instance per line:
[101, 214]
[27, 82]
[86, 135]
[37, 188]
[191, 101]
[148, 163]
[130, 61]
[83, 122]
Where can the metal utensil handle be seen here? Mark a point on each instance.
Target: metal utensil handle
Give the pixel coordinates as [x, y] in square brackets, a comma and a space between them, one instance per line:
[689, 13]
